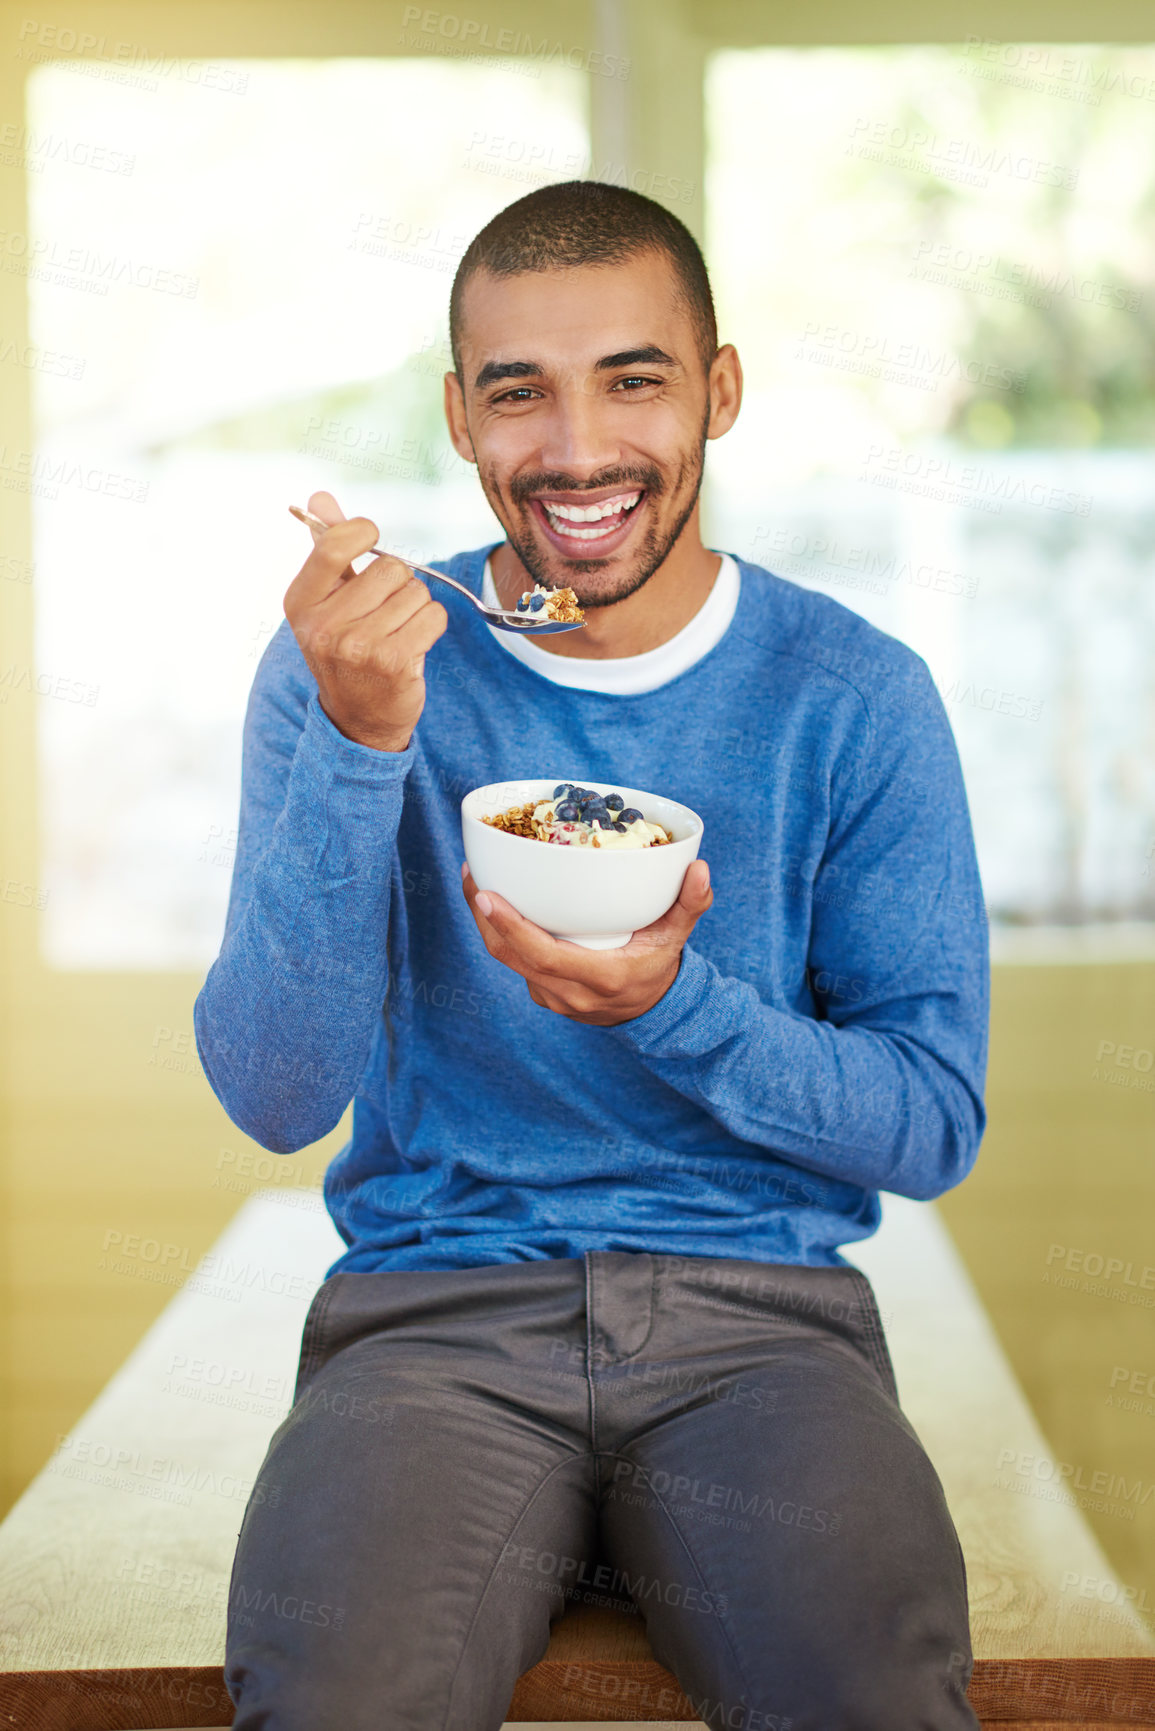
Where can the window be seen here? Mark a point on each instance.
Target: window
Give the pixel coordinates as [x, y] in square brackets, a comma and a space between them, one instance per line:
[935, 264]
[239, 293]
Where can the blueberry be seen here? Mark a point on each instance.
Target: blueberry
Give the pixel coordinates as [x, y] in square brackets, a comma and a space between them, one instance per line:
[562, 790]
[537, 602]
[604, 820]
[630, 815]
[523, 605]
[614, 801]
[567, 811]
[622, 828]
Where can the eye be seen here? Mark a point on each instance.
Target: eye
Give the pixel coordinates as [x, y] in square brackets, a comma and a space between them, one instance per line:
[519, 392]
[637, 379]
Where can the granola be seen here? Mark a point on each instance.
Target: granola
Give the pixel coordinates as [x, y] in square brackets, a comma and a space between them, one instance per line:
[560, 605]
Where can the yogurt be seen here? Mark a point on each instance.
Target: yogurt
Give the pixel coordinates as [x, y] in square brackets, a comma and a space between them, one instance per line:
[575, 832]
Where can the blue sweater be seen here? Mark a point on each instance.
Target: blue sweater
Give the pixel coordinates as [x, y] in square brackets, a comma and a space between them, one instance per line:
[825, 1037]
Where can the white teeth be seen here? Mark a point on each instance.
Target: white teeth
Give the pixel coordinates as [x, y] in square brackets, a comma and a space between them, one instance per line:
[572, 533]
[592, 513]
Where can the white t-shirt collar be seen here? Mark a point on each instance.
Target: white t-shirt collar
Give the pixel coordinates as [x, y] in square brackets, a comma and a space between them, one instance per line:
[627, 674]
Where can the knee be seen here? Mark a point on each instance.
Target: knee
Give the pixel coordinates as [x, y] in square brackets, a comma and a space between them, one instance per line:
[271, 1694]
[915, 1695]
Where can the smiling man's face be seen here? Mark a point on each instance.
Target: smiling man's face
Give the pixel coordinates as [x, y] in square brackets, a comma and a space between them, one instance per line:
[585, 406]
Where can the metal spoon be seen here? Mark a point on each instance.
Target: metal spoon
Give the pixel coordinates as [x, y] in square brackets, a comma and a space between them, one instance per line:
[525, 624]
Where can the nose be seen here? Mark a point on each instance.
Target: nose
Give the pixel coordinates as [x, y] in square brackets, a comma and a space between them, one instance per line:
[578, 434]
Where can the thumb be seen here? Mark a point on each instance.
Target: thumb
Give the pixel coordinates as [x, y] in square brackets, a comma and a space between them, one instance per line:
[694, 897]
[695, 894]
[324, 505]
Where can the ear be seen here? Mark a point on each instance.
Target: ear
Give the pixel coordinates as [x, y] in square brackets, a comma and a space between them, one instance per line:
[725, 388]
[455, 419]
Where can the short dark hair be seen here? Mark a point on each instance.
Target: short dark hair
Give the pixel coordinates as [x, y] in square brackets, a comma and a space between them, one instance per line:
[587, 222]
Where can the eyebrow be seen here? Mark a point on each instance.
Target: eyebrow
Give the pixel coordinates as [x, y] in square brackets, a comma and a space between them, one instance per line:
[647, 356]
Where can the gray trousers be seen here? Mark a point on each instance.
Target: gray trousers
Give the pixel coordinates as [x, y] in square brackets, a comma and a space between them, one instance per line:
[716, 1442]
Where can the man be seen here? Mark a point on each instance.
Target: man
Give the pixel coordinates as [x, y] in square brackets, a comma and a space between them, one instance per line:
[592, 1335]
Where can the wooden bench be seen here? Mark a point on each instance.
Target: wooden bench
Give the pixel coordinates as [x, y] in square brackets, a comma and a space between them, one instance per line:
[114, 1565]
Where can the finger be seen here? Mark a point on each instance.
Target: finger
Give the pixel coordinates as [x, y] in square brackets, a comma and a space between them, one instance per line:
[324, 505]
[343, 542]
[366, 639]
[386, 587]
[331, 562]
[524, 946]
[389, 657]
[416, 638]
[545, 999]
[500, 951]
[482, 914]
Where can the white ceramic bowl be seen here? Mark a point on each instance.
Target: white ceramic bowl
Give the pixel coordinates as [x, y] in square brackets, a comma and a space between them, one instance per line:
[594, 897]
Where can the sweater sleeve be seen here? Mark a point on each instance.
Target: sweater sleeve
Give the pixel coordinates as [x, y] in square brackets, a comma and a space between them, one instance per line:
[286, 1017]
[883, 1086]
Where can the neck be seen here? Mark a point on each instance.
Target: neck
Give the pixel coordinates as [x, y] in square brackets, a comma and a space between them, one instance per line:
[645, 620]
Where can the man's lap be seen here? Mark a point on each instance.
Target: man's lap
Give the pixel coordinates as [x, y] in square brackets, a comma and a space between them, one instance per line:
[720, 1442]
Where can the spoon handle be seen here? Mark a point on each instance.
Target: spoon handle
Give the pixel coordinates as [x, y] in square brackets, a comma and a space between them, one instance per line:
[426, 570]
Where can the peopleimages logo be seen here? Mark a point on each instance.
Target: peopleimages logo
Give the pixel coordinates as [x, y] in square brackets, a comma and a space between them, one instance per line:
[973, 484]
[558, 1573]
[51, 260]
[952, 157]
[42, 474]
[1034, 66]
[24, 147]
[878, 354]
[471, 35]
[958, 266]
[60, 41]
[1080, 1261]
[1065, 1482]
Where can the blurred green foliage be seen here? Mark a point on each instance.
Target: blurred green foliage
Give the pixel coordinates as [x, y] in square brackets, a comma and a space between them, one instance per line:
[1068, 303]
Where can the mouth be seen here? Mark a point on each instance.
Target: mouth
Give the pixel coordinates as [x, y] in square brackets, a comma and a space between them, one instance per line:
[581, 530]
